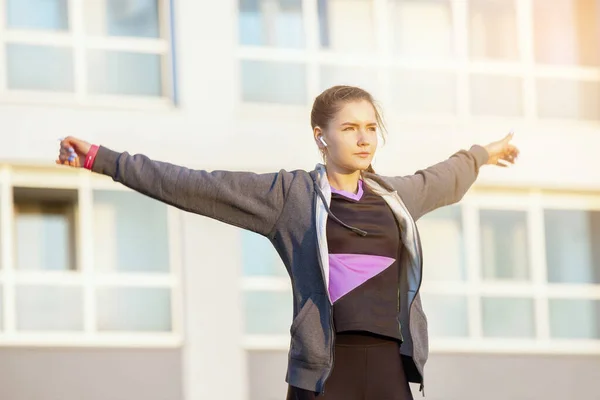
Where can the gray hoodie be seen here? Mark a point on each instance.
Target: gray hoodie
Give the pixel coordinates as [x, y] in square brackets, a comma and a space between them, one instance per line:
[291, 209]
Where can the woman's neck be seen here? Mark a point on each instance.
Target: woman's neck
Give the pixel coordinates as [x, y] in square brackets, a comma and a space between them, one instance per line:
[343, 180]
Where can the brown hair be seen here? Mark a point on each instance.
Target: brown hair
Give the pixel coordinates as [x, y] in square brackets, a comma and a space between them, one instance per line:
[331, 101]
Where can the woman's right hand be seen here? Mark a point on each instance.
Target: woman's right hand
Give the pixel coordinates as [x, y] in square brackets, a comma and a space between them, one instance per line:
[73, 152]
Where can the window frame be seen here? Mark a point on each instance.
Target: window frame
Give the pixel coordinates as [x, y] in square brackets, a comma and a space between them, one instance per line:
[534, 202]
[83, 276]
[77, 40]
[386, 62]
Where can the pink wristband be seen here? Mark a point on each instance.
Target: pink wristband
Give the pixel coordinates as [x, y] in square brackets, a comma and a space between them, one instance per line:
[90, 157]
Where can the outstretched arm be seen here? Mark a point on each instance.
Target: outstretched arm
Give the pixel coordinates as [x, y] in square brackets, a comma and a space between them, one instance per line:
[243, 199]
[447, 182]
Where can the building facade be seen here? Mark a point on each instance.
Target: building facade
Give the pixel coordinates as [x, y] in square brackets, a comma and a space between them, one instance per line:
[106, 294]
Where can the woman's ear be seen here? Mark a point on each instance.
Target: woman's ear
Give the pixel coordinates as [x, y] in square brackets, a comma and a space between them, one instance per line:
[318, 135]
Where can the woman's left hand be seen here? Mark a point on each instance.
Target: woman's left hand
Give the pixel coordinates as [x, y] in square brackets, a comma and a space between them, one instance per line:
[502, 153]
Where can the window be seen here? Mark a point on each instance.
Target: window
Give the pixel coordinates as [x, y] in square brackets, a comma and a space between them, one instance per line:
[338, 22]
[97, 49]
[267, 299]
[504, 244]
[417, 92]
[493, 30]
[45, 308]
[414, 39]
[568, 99]
[275, 23]
[273, 82]
[50, 15]
[450, 59]
[496, 95]
[575, 318]
[267, 312]
[566, 32]
[125, 246]
[498, 296]
[565, 36]
[572, 251]
[23, 70]
[508, 318]
[1, 309]
[85, 261]
[133, 309]
[45, 221]
[447, 315]
[118, 18]
[442, 229]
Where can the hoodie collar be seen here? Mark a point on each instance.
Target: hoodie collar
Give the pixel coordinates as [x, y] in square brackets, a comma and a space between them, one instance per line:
[373, 181]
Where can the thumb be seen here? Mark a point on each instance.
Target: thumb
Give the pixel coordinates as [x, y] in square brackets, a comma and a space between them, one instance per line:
[508, 137]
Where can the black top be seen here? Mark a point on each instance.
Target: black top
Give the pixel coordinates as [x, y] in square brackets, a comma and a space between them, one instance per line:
[363, 270]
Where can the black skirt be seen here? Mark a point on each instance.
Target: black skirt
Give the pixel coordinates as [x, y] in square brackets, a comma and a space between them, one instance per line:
[367, 367]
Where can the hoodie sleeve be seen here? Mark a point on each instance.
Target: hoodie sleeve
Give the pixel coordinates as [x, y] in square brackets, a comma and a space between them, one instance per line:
[244, 199]
[442, 184]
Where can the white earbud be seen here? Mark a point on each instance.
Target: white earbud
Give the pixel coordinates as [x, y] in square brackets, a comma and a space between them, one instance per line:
[322, 141]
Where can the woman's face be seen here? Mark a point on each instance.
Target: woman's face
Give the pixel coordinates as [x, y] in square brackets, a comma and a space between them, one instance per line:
[351, 137]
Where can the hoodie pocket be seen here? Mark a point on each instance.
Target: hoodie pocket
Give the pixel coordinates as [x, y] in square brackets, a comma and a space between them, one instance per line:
[308, 337]
[309, 306]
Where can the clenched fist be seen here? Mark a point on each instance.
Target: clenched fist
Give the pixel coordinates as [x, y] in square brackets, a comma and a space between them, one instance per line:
[73, 152]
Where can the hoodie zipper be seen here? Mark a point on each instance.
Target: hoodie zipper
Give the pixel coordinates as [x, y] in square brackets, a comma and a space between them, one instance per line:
[331, 330]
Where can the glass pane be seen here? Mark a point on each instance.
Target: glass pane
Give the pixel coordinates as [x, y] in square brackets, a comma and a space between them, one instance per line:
[37, 14]
[1, 308]
[507, 317]
[416, 92]
[442, 240]
[566, 32]
[276, 23]
[25, 71]
[493, 29]
[131, 233]
[575, 318]
[44, 238]
[48, 308]
[121, 73]
[1, 222]
[572, 246]
[504, 244]
[273, 82]
[496, 96]
[415, 39]
[259, 257]
[447, 316]
[132, 18]
[365, 78]
[267, 313]
[346, 25]
[134, 309]
[562, 98]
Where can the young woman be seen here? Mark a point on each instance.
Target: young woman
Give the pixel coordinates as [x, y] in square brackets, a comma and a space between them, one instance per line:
[346, 235]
